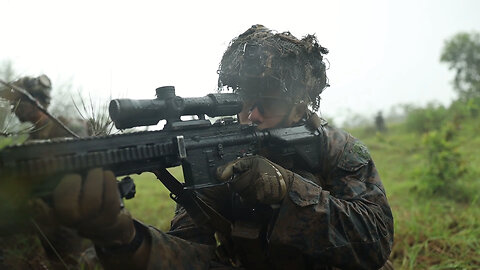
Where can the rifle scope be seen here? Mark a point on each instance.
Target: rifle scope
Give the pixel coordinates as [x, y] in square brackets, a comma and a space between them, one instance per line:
[127, 113]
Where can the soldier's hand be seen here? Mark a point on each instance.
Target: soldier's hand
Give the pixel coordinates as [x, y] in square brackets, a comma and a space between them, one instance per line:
[92, 206]
[257, 179]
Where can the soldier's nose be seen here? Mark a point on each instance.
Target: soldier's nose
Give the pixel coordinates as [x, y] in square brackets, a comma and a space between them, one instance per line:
[255, 116]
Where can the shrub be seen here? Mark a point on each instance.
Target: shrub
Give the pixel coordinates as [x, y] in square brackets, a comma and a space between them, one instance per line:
[445, 165]
[423, 120]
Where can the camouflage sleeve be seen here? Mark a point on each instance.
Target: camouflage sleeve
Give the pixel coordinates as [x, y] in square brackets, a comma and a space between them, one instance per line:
[184, 246]
[170, 252]
[343, 220]
[160, 250]
[183, 226]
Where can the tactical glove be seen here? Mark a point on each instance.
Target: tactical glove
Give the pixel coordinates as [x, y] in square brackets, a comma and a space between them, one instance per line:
[257, 179]
[92, 206]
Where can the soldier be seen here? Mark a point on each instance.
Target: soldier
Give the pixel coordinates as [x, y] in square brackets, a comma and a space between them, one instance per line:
[44, 127]
[284, 215]
[59, 242]
[380, 122]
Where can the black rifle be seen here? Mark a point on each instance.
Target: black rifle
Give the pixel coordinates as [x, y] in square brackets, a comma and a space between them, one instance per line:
[197, 145]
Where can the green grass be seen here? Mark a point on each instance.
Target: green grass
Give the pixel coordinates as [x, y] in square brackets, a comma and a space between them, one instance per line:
[434, 232]
[152, 203]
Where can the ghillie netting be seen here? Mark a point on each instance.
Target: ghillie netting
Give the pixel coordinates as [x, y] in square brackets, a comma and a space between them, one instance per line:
[260, 59]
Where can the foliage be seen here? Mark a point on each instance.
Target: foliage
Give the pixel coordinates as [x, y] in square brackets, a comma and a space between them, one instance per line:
[462, 54]
[11, 127]
[465, 109]
[432, 230]
[422, 120]
[444, 165]
[434, 116]
[96, 115]
[12, 140]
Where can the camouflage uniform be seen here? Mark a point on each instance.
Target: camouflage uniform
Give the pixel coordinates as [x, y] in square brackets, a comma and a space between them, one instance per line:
[48, 129]
[335, 216]
[45, 128]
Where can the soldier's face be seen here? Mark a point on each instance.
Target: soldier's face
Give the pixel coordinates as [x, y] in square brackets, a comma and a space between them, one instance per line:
[269, 110]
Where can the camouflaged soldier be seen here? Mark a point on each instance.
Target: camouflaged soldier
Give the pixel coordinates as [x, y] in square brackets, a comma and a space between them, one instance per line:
[335, 215]
[28, 249]
[44, 127]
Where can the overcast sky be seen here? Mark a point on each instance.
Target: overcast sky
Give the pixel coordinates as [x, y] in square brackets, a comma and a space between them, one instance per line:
[382, 53]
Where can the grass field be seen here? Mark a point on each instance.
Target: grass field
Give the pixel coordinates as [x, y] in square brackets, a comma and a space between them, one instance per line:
[434, 232]
[152, 203]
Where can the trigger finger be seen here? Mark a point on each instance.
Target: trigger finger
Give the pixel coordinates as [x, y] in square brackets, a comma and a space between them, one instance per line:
[243, 164]
[226, 172]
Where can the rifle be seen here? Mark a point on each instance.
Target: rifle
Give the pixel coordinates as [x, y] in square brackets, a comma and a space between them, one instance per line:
[197, 145]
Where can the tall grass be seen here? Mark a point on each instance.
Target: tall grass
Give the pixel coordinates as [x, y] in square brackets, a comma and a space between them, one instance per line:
[431, 231]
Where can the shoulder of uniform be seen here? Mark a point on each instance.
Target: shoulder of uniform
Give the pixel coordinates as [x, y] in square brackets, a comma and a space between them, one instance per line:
[354, 156]
[344, 149]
